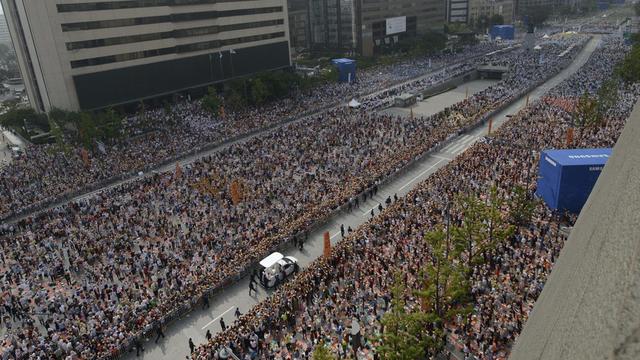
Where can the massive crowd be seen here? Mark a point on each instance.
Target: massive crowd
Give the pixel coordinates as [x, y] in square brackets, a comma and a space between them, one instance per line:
[40, 175]
[339, 301]
[86, 278]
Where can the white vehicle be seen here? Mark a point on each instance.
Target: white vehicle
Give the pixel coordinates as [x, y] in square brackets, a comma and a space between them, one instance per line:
[275, 268]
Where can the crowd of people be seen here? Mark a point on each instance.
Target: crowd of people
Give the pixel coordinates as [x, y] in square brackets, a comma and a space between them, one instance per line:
[340, 301]
[87, 278]
[41, 174]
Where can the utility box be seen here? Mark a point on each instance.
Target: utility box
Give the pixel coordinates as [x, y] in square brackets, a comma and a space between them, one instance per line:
[346, 69]
[505, 32]
[566, 177]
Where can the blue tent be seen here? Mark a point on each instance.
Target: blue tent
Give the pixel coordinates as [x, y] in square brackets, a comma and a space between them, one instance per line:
[346, 69]
[505, 32]
[566, 177]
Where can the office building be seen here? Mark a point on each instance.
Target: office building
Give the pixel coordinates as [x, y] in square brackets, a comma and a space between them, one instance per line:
[364, 26]
[381, 24]
[479, 9]
[80, 54]
[458, 11]
[5, 38]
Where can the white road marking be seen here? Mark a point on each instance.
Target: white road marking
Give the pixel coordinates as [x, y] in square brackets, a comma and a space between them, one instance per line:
[336, 234]
[441, 157]
[419, 175]
[221, 315]
[457, 148]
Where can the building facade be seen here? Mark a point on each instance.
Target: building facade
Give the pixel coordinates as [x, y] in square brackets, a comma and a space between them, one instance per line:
[87, 54]
[5, 37]
[458, 11]
[382, 23]
[479, 9]
[363, 26]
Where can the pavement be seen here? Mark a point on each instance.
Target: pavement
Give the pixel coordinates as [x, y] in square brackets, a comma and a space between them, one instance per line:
[223, 305]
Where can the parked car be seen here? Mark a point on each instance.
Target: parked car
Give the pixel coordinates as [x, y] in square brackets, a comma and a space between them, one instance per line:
[275, 268]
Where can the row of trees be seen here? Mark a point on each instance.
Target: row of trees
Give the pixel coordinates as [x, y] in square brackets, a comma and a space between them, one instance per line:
[592, 109]
[263, 88]
[456, 250]
[65, 127]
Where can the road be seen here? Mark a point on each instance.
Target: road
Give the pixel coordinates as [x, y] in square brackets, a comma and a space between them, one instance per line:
[223, 305]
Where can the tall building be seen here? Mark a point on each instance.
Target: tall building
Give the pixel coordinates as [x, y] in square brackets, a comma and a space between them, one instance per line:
[488, 8]
[5, 38]
[382, 23]
[365, 26]
[457, 11]
[332, 24]
[299, 23]
[81, 54]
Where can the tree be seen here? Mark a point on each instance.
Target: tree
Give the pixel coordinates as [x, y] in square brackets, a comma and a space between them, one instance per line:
[404, 335]
[57, 134]
[111, 123]
[87, 130]
[211, 102]
[259, 91]
[321, 352]
[235, 99]
[536, 15]
[521, 206]
[608, 95]
[447, 292]
[496, 19]
[629, 69]
[586, 112]
[483, 227]
[636, 8]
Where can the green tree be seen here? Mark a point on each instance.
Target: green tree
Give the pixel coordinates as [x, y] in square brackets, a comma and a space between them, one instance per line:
[536, 15]
[496, 19]
[259, 91]
[211, 102]
[483, 227]
[235, 99]
[404, 335]
[586, 112]
[629, 69]
[608, 95]
[57, 134]
[447, 292]
[521, 206]
[87, 130]
[321, 352]
[111, 123]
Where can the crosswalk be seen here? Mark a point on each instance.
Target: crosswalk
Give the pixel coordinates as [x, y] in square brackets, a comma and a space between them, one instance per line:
[459, 145]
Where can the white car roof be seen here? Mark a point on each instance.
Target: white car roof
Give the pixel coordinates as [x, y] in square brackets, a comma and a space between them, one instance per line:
[271, 260]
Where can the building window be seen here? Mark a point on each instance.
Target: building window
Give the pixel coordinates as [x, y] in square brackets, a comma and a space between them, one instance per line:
[180, 33]
[104, 24]
[180, 49]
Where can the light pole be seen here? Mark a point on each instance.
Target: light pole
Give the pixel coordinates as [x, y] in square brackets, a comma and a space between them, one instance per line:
[231, 53]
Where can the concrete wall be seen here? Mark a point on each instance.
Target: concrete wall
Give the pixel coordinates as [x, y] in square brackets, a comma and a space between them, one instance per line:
[453, 83]
[590, 306]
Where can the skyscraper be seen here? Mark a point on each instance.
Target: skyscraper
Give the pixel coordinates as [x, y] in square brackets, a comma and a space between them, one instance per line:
[93, 54]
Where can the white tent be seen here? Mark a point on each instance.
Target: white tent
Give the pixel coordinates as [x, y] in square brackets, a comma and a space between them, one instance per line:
[545, 36]
[354, 103]
[537, 47]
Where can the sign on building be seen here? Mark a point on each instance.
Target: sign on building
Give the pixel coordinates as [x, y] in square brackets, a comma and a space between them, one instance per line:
[396, 25]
